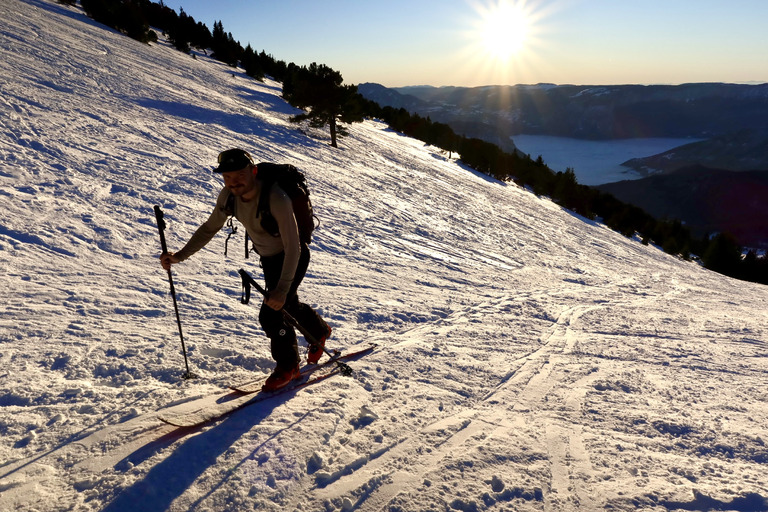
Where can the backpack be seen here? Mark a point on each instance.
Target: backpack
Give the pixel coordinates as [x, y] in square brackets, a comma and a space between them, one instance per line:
[293, 182]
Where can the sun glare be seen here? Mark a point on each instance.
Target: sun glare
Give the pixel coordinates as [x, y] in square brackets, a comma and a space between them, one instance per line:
[504, 30]
[504, 40]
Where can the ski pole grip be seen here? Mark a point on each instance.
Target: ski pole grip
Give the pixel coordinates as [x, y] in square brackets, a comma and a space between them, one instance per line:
[161, 227]
[246, 296]
[247, 279]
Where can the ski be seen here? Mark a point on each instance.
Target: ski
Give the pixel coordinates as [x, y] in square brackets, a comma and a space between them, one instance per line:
[211, 408]
[253, 386]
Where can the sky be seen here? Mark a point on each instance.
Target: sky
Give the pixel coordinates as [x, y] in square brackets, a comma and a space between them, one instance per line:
[456, 42]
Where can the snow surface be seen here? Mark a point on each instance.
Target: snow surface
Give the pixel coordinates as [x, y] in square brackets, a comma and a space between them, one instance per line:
[528, 359]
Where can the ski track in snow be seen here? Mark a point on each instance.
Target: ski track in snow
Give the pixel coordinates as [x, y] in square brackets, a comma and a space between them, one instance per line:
[528, 359]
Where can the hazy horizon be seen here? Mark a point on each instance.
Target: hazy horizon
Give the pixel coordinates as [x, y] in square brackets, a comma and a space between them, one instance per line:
[468, 43]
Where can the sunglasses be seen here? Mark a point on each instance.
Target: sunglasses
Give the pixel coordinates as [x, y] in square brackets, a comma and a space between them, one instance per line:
[234, 155]
[233, 160]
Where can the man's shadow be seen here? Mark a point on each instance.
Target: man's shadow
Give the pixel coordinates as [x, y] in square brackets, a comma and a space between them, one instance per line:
[170, 478]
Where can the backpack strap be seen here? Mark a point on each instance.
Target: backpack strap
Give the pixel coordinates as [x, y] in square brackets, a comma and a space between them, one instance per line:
[268, 179]
[270, 174]
[229, 207]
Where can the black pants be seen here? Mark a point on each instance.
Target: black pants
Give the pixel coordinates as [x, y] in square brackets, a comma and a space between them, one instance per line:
[285, 350]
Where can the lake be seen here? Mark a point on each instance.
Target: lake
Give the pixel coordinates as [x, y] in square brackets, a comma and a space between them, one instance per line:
[594, 161]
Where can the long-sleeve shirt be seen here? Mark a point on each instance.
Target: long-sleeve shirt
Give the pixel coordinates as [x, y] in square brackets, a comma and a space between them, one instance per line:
[265, 244]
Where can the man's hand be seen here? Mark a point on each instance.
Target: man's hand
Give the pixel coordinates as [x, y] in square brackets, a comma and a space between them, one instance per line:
[168, 259]
[275, 300]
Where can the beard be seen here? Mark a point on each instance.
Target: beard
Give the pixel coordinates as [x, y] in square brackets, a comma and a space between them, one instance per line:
[241, 190]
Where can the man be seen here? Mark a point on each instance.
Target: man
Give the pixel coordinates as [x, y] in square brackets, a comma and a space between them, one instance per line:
[284, 260]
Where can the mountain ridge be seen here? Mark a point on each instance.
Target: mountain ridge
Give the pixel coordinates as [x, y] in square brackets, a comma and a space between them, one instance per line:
[708, 200]
[729, 116]
[745, 150]
[698, 110]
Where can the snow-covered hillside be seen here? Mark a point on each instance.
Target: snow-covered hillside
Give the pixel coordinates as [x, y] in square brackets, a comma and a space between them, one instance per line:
[527, 359]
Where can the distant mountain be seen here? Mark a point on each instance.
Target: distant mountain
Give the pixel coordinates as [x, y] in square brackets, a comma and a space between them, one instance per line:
[746, 150]
[696, 187]
[472, 123]
[715, 185]
[601, 112]
[585, 112]
[707, 200]
[385, 96]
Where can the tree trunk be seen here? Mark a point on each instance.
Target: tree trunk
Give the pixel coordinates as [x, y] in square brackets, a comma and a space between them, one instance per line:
[333, 132]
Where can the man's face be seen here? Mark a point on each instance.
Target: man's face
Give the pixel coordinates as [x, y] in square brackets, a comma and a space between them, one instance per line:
[239, 182]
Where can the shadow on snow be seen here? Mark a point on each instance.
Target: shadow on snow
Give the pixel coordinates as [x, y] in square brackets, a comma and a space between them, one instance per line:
[169, 479]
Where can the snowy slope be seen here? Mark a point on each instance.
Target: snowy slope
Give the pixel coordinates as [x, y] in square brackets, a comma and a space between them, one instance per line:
[528, 359]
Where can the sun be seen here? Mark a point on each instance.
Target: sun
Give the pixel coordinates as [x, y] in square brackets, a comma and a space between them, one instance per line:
[503, 41]
[503, 28]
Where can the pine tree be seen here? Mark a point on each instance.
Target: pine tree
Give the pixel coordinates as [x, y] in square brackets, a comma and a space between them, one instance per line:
[224, 46]
[178, 32]
[252, 64]
[319, 89]
[723, 255]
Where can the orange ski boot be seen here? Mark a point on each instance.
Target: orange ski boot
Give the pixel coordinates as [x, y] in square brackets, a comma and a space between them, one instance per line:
[281, 377]
[316, 351]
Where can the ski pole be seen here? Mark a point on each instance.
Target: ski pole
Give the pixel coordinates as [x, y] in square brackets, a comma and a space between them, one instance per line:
[161, 227]
[248, 281]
